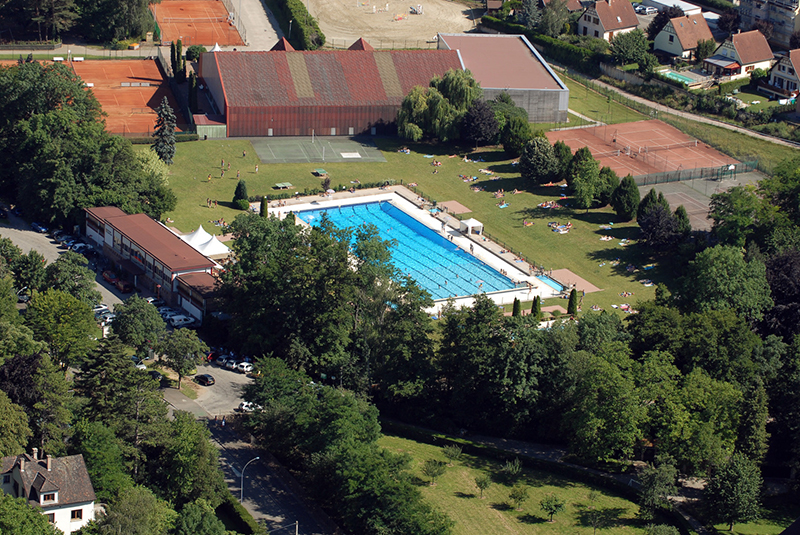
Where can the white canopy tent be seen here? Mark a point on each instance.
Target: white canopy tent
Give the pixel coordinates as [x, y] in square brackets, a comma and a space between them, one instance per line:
[213, 247]
[471, 226]
[196, 238]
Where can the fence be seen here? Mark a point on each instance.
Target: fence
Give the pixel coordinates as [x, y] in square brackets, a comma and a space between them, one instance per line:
[705, 173]
[237, 20]
[404, 44]
[180, 96]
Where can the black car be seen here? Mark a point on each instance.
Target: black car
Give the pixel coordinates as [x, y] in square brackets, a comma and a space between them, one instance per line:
[204, 379]
[156, 375]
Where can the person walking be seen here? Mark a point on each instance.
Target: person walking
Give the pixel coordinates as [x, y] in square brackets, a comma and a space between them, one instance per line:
[256, 169]
[223, 163]
[244, 154]
[237, 173]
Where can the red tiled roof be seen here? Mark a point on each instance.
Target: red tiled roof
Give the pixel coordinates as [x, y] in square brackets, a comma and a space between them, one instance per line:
[361, 45]
[328, 77]
[67, 475]
[615, 14]
[103, 212]
[690, 30]
[520, 68]
[751, 47]
[203, 283]
[283, 44]
[794, 57]
[572, 5]
[159, 242]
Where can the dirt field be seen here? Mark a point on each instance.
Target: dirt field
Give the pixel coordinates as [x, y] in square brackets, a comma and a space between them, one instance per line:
[344, 21]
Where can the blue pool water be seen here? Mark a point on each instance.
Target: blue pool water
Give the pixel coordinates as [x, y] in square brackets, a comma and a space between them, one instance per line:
[550, 282]
[679, 77]
[437, 264]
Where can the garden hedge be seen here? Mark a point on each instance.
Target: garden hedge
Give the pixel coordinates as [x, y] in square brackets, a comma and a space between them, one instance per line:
[305, 34]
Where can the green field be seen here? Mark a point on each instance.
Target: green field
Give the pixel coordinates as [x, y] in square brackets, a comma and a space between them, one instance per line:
[580, 251]
[596, 106]
[456, 494]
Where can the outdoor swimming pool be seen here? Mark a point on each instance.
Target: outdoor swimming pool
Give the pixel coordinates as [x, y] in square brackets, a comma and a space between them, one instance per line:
[678, 77]
[437, 264]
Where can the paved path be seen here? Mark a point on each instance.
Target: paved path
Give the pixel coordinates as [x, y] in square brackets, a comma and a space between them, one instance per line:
[271, 494]
[698, 118]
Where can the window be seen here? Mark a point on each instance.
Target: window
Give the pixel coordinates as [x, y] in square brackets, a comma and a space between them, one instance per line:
[750, 68]
[6, 479]
[671, 38]
[49, 497]
[585, 30]
[596, 20]
[51, 517]
[791, 71]
[596, 33]
[587, 18]
[76, 514]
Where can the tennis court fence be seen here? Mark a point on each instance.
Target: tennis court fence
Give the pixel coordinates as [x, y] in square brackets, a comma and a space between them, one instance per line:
[707, 173]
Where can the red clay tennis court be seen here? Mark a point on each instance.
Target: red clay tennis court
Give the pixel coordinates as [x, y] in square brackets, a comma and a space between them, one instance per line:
[129, 91]
[642, 147]
[196, 22]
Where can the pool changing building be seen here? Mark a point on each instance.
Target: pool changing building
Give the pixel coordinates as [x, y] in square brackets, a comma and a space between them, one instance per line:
[284, 92]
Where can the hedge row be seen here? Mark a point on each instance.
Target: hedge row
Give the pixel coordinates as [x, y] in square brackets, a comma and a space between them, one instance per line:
[305, 34]
[721, 5]
[560, 51]
[243, 521]
[317, 191]
[728, 87]
[179, 138]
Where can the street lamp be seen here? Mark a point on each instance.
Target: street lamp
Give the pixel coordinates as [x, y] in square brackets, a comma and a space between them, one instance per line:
[241, 485]
[290, 29]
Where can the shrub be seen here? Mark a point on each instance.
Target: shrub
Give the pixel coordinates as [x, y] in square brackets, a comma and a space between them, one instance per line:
[194, 51]
[241, 191]
[241, 204]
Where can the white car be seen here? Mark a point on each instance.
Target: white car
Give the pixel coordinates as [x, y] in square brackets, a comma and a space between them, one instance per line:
[99, 309]
[180, 321]
[249, 406]
[81, 248]
[244, 367]
[649, 10]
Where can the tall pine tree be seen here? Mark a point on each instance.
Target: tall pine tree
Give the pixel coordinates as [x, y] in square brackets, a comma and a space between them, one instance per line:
[164, 134]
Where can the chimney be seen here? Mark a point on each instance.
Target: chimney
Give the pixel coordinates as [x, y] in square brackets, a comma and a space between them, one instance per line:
[22, 464]
[49, 462]
[35, 454]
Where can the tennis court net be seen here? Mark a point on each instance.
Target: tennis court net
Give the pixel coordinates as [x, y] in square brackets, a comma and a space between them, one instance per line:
[674, 146]
[195, 20]
[606, 154]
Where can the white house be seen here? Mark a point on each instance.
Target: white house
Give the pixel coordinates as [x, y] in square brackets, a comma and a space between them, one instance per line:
[783, 81]
[60, 487]
[740, 55]
[680, 36]
[606, 18]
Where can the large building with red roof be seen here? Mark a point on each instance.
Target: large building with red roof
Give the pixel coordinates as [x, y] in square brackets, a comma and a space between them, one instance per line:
[284, 92]
[509, 63]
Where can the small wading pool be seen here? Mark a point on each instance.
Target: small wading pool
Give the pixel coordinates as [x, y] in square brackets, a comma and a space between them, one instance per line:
[437, 264]
[678, 77]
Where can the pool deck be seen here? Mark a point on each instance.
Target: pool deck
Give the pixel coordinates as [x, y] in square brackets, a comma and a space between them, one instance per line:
[484, 249]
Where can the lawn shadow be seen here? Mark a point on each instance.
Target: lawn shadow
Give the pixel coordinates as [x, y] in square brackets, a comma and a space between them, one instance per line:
[593, 217]
[460, 494]
[503, 168]
[606, 517]
[501, 506]
[482, 156]
[619, 233]
[507, 184]
[419, 482]
[528, 518]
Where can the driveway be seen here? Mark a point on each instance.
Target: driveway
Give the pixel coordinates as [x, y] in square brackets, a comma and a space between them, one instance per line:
[223, 397]
[19, 232]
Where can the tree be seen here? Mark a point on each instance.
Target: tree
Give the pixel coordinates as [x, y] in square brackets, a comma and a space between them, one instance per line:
[625, 198]
[516, 309]
[735, 214]
[54, 16]
[765, 27]
[794, 40]
[193, 52]
[51, 416]
[576, 163]
[783, 276]
[480, 124]
[483, 482]
[193, 92]
[649, 201]
[64, 323]
[19, 518]
[14, 430]
[518, 496]
[659, 227]
[138, 323]
[554, 16]
[199, 518]
[180, 71]
[729, 20]
[564, 156]
[530, 14]
[658, 483]
[720, 278]
[586, 184]
[164, 133]
[70, 275]
[683, 226]
[433, 468]
[607, 183]
[452, 452]
[108, 20]
[536, 308]
[516, 135]
[661, 19]
[552, 505]
[173, 57]
[572, 305]
[705, 48]
[103, 455]
[629, 47]
[182, 349]
[648, 63]
[241, 191]
[139, 512]
[753, 438]
[661, 529]
[29, 271]
[733, 492]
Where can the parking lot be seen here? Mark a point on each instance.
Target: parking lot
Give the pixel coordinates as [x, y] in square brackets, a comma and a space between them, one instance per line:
[224, 396]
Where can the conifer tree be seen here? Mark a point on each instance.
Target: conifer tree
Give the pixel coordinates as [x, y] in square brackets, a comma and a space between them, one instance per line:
[164, 134]
[572, 306]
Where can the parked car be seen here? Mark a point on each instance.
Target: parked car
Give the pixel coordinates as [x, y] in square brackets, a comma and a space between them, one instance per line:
[106, 318]
[164, 309]
[61, 238]
[166, 316]
[155, 301]
[17, 211]
[38, 227]
[110, 277]
[249, 406]
[649, 10]
[99, 309]
[156, 376]
[244, 367]
[180, 321]
[205, 379]
[124, 286]
[23, 296]
[80, 248]
[231, 364]
[222, 360]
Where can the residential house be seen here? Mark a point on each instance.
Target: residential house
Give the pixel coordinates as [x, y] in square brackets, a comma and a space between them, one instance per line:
[145, 251]
[681, 35]
[572, 5]
[783, 14]
[783, 81]
[606, 18]
[60, 488]
[740, 55]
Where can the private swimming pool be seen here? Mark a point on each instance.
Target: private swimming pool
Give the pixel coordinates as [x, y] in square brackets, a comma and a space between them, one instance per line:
[436, 263]
[678, 77]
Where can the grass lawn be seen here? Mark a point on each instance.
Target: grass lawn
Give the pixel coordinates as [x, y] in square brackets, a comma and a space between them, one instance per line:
[580, 251]
[749, 95]
[777, 513]
[596, 106]
[456, 494]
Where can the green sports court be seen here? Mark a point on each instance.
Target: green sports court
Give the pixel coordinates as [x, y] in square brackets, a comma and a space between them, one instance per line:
[316, 150]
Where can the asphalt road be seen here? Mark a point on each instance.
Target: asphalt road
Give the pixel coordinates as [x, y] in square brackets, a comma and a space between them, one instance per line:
[223, 397]
[26, 239]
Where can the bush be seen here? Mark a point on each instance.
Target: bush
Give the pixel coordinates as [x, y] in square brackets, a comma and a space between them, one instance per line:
[241, 191]
[241, 204]
[726, 88]
[243, 522]
[306, 34]
[194, 51]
